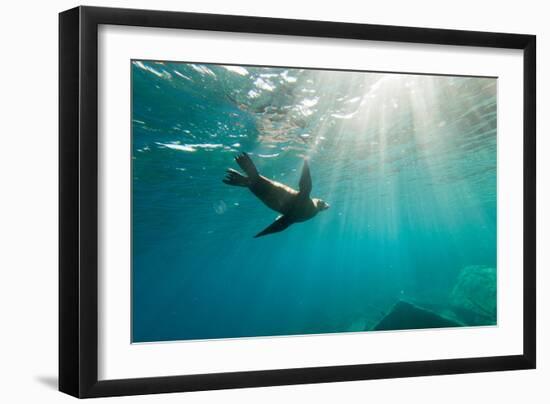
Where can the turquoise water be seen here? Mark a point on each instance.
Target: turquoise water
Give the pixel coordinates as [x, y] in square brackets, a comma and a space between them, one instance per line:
[406, 162]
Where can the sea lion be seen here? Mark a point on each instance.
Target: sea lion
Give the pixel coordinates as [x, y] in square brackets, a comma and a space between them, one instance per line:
[294, 206]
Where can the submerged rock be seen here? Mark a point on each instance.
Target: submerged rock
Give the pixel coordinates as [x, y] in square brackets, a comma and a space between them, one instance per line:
[474, 296]
[407, 316]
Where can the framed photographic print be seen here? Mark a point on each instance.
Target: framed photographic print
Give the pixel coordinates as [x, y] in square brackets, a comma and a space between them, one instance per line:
[251, 201]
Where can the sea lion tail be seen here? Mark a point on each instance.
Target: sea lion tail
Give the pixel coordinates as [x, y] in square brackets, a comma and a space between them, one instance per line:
[235, 178]
[245, 162]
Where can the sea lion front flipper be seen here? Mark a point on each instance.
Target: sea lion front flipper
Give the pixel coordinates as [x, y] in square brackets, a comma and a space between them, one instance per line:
[305, 181]
[281, 223]
[245, 162]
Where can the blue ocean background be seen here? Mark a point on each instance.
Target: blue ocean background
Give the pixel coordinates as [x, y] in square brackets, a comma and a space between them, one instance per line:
[407, 163]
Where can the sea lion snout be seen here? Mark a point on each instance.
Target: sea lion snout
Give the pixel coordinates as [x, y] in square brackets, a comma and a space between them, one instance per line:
[322, 205]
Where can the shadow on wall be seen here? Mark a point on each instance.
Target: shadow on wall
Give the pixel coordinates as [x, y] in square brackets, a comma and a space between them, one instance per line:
[48, 381]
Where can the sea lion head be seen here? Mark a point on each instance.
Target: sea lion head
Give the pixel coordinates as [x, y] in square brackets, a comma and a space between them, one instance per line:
[320, 205]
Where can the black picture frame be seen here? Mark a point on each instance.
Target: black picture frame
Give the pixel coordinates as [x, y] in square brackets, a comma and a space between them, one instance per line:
[78, 201]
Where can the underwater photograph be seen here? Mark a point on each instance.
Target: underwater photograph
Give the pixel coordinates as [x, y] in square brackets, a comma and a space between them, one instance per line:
[284, 201]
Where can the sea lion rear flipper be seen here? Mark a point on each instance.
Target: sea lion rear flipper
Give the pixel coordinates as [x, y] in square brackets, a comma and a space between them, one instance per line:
[281, 223]
[235, 178]
[246, 163]
[305, 181]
